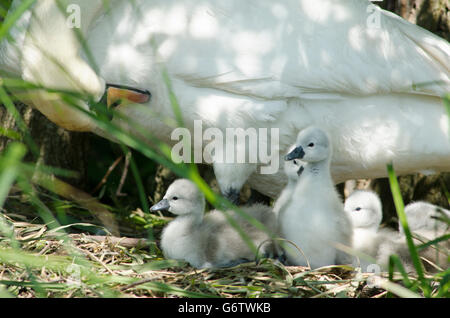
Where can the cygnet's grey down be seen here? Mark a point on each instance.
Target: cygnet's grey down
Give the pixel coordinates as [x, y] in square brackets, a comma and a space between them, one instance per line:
[314, 219]
[423, 219]
[209, 241]
[425, 222]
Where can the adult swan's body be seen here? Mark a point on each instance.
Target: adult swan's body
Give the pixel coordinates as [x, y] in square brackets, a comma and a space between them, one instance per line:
[342, 65]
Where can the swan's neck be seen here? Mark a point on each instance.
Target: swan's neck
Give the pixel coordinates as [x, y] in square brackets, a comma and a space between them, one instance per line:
[318, 170]
[189, 221]
[370, 228]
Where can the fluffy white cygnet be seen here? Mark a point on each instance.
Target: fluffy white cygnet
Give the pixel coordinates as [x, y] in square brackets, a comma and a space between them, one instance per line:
[365, 213]
[423, 222]
[209, 240]
[364, 209]
[292, 169]
[314, 218]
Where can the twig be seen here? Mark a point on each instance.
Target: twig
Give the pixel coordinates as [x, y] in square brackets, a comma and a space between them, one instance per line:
[124, 175]
[95, 258]
[298, 248]
[120, 241]
[143, 281]
[110, 169]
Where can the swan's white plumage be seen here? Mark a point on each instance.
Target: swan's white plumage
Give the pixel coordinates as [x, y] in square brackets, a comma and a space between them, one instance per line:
[283, 64]
[210, 241]
[314, 218]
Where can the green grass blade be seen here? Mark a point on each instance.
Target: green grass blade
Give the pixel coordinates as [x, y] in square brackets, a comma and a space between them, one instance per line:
[11, 108]
[446, 100]
[13, 17]
[394, 262]
[9, 168]
[398, 290]
[435, 241]
[400, 208]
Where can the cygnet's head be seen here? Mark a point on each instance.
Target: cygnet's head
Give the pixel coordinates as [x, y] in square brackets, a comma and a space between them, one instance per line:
[293, 168]
[181, 198]
[425, 216]
[364, 209]
[312, 145]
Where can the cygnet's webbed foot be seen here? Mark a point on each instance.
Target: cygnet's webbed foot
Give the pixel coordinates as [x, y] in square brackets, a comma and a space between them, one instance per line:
[282, 258]
[257, 197]
[273, 251]
[233, 195]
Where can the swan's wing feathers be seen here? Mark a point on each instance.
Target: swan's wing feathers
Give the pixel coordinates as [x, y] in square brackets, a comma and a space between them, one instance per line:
[355, 57]
[335, 52]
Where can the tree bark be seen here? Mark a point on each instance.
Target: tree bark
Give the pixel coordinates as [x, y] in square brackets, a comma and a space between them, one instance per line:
[57, 146]
[433, 15]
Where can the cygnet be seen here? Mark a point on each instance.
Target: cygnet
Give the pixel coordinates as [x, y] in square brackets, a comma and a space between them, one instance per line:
[423, 219]
[314, 219]
[364, 209]
[207, 241]
[365, 213]
[292, 169]
[425, 222]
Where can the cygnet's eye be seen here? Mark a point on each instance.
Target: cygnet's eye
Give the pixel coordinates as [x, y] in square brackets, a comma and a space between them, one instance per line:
[295, 162]
[358, 209]
[175, 198]
[311, 145]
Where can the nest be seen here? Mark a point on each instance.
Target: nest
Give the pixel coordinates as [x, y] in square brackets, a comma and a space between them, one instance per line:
[37, 261]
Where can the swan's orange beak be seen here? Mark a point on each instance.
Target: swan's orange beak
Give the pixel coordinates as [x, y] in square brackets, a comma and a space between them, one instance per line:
[117, 95]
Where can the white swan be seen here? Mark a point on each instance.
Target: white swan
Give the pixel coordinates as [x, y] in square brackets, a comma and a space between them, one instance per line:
[208, 241]
[372, 79]
[314, 219]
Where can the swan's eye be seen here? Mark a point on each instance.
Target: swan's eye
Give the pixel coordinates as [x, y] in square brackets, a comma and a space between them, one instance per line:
[311, 145]
[358, 209]
[175, 198]
[295, 162]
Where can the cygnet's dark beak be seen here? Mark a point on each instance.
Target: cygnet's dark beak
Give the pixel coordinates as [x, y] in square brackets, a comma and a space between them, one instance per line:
[162, 205]
[296, 153]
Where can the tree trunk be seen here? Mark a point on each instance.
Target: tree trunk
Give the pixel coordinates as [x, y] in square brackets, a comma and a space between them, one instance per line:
[57, 146]
[433, 15]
